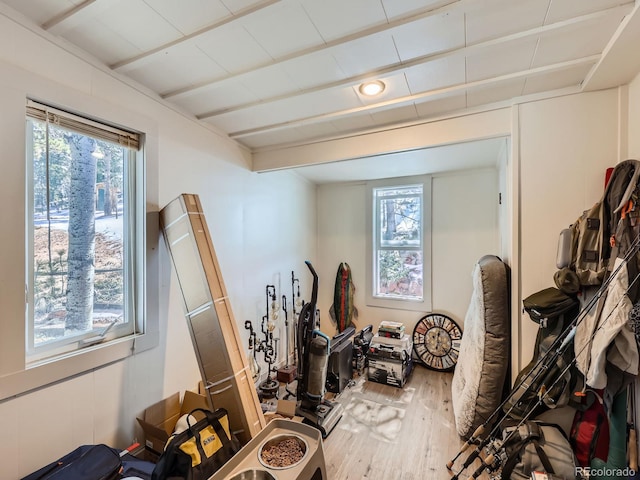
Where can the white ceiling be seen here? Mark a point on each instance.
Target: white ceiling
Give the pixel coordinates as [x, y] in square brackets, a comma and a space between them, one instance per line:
[273, 73]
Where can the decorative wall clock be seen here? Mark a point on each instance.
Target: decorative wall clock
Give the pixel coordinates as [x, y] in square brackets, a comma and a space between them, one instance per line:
[436, 341]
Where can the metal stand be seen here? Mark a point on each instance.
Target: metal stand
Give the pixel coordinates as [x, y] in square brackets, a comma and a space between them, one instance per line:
[248, 465]
[286, 374]
[269, 387]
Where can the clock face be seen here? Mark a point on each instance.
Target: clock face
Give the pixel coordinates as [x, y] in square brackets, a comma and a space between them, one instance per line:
[436, 341]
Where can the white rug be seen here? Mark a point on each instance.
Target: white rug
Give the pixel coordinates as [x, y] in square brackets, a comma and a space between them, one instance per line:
[383, 422]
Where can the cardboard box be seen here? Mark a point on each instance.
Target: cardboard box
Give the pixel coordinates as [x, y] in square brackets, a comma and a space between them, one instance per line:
[286, 409]
[159, 420]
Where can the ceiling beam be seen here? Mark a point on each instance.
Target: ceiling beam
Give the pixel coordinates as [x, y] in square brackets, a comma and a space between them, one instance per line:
[66, 15]
[192, 89]
[463, 111]
[477, 123]
[403, 66]
[430, 12]
[620, 62]
[131, 62]
[433, 94]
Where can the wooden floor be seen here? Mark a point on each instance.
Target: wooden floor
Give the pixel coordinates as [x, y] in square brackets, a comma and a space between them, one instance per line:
[388, 433]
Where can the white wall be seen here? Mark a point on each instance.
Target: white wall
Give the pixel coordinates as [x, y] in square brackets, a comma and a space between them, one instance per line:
[262, 226]
[565, 146]
[504, 210]
[464, 228]
[634, 119]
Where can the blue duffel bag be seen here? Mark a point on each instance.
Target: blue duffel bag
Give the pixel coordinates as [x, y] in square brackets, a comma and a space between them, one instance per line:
[93, 462]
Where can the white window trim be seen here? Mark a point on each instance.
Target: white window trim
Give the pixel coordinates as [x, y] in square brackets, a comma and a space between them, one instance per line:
[18, 378]
[423, 305]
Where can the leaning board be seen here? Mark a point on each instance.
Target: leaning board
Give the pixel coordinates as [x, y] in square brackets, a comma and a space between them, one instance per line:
[216, 340]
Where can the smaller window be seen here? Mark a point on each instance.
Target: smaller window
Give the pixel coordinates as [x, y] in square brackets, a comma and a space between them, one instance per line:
[399, 243]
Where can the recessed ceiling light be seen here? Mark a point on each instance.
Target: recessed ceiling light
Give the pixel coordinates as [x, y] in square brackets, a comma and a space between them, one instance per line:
[372, 88]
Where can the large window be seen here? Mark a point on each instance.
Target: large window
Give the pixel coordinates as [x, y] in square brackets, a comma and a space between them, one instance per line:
[399, 243]
[85, 267]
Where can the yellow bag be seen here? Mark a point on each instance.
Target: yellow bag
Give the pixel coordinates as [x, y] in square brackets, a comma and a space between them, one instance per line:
[200, 450]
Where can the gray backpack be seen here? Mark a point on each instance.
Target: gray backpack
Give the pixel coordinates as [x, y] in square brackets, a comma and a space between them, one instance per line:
[537, 447]
[589, 249]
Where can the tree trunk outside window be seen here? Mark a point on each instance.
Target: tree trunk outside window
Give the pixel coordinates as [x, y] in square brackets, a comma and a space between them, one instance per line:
[81, 249]
[390, 220]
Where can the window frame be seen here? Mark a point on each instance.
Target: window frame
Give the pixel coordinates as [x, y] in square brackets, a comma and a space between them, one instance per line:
[373, 244]
[17, 377]
[134, 266]
[133, 230]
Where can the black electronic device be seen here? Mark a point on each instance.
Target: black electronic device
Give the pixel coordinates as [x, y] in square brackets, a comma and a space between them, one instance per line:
[340, 368]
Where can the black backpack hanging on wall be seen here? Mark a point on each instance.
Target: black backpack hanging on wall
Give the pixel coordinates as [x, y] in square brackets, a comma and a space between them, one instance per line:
[553, 311]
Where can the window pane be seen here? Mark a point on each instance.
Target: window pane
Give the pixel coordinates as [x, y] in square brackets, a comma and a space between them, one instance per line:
[399, 274]
[399, 216]
[79, 218]
[399, 191]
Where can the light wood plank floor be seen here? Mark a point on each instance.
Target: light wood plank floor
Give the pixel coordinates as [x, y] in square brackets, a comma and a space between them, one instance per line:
[388, 433]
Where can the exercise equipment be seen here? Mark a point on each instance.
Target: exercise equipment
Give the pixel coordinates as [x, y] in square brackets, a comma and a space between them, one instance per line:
[313, 356]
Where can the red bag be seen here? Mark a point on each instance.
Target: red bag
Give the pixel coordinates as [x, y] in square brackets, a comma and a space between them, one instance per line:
[589, 436]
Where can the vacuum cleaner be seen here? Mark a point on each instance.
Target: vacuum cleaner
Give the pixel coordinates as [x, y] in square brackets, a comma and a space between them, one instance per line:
[313, 356]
